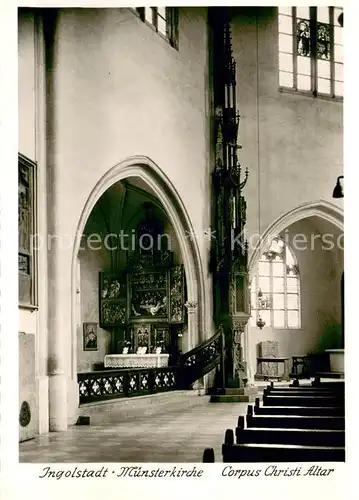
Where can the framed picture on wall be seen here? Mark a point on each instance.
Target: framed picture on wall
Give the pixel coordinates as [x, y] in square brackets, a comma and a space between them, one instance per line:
[90, 336]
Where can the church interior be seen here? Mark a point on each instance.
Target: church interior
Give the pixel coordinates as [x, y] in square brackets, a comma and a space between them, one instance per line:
[181, 234]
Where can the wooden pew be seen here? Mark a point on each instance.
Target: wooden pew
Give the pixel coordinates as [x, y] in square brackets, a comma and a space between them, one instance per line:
[294, 424]
[289, 436]
[312, 437]
[303, 392]
[296, 410]
[336, 391]
[208, 455]
[302, 400]
[270, 453]
[328, 386]
[295, 421]
[278, 452]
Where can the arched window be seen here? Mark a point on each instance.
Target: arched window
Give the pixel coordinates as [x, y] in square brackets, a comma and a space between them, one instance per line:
[275, 288]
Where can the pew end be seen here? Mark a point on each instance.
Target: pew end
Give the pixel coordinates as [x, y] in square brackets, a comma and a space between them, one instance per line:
[249, 410]
[240, 421]
[229, 437]
[208, 456]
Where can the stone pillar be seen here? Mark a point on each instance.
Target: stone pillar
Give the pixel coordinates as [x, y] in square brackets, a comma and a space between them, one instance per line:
[56, 355]
[41, 230]
[57, 334]
[193, 336]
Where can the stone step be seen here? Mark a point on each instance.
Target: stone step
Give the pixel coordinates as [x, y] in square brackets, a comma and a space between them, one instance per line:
[231, 398]
[236, 395]
[124, 409]
[241, 391]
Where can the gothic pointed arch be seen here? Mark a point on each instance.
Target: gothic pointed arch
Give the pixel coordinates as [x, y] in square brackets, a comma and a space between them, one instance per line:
[144, 168]
[320, 208]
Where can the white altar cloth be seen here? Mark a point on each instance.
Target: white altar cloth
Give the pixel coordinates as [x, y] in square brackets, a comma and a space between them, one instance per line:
[136, 360]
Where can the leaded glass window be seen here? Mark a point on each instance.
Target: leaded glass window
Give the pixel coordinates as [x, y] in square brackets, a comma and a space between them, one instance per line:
[164, 20]
[311, 49]
[26, 231]
[275, 288]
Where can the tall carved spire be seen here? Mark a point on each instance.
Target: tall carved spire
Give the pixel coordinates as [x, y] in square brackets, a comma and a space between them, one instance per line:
[229, 252]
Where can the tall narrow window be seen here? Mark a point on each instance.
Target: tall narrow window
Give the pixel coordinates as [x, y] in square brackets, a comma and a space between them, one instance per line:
[164, 20]
[26, 221]
[275, 288]
[311, 49]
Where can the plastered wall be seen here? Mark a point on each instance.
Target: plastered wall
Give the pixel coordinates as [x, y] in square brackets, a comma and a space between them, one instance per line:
[320, 269]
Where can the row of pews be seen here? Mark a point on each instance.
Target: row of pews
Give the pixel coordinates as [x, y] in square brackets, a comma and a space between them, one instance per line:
[293, 424]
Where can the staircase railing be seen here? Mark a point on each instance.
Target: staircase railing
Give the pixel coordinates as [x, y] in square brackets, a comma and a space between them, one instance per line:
[126, 382]
[201, 360]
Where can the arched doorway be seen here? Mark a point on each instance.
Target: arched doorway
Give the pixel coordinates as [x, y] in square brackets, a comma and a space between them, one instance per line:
[150, 175]
[320, 273]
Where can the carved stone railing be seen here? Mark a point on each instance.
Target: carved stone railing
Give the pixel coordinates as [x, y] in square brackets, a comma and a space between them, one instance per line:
[121, 383]
[201, 360]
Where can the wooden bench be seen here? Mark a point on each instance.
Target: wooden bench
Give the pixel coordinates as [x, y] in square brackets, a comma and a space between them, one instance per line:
[294, 421]
[272, 453]
[302, 400]
[280, 453]
[296, 410]
[334, 389]
[303, 391]
[306, 437]
[316, 384]
[268, 452]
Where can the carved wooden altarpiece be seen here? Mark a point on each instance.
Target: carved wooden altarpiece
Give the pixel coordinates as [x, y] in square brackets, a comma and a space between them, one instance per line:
[145, 302]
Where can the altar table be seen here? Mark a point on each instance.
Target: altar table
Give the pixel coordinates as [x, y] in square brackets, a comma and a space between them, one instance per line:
[136, 360]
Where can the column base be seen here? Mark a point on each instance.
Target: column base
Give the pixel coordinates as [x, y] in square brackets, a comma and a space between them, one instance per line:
[236, 395]
[57, 403]
[43, 398]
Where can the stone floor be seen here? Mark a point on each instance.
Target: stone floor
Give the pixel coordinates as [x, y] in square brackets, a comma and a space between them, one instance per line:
[176, 435]
[180, 435]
